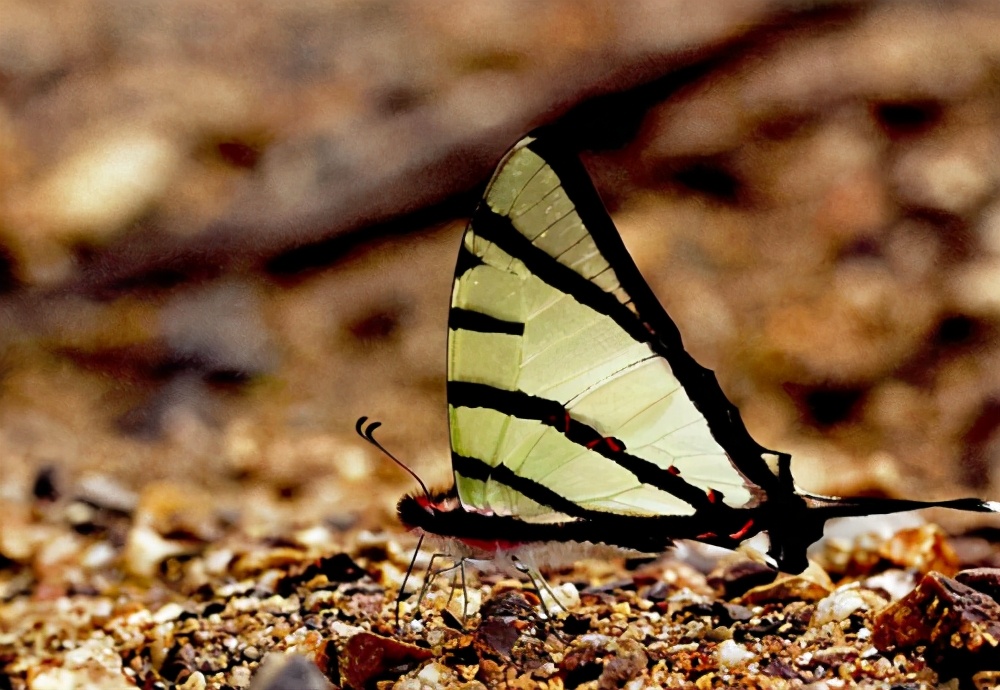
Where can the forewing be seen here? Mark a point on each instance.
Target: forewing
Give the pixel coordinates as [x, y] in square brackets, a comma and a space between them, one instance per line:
[570, 393]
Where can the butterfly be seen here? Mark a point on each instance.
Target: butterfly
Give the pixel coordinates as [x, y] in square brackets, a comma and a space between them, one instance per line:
[579, 424]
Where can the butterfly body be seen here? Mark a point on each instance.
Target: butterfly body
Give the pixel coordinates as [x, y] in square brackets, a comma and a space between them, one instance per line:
[577, 418]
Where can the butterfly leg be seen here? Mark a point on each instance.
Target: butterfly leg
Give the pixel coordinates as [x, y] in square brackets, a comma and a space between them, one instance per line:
[539, 583]
[458, 576]
[465, 596]
[429, 576]
[535, 577]
[409, 571]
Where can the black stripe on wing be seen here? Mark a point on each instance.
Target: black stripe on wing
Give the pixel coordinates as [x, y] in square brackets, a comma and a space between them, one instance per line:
[653, 325]
[474, 468]
[470, 320]
[466, 261]
[549, 412]
[499, 230]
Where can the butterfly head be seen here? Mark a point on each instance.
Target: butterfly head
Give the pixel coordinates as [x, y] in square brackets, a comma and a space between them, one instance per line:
[423, 510]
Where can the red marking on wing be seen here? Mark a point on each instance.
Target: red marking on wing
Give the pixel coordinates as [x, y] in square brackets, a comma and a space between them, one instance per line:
[612, 444]
[712, 496]
[742, 531]
[561, 424]
[707, 535]
[674, 471]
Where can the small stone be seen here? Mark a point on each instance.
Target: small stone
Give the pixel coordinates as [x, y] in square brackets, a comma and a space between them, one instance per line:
[944, 177]
[145, 550]
[959, 626]
[736, 579]
[986, 680]
[99, 555]
[168, 612]
[842, 603]
[240, 677]
[104, 185]
[196, 681]
[629, 662]
[177, 509]
[895, 583]
[90, 677]
[780, 669]
[289, 672]
[106, 492]
[985, 580]
[924, 549]
[367, 655]
[435, 675]
[832, 656]
[733, 654]
[789, 588]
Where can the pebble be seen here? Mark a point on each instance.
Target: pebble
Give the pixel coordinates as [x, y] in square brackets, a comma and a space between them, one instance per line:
[985, 580]
[196, 681]
[628, 663]
[106, 183]
[145, 550]
[168, 612]
[732, 653]
[288, 672]
[789, 588]
[894, 582]
[959, 626]
[367, 655]
[106, 492]
[567, 597]
[950, 179]
[737, 578]
[88, 678]
[842, 603]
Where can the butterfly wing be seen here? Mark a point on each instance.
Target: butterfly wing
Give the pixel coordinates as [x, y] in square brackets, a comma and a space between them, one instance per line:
[570, 393]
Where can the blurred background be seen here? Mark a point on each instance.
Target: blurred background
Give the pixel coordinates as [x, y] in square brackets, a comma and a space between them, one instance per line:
[228, 230]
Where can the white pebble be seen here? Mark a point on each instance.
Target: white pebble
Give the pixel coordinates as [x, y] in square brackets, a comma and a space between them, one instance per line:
[168, 612]
[99, 555]
[838, 606]
[733, 654]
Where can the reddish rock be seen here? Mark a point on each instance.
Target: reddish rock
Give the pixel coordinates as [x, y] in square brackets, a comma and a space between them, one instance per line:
[985, 580]
[959, 626]
[784, 589]
[736, 579]
[367, 656]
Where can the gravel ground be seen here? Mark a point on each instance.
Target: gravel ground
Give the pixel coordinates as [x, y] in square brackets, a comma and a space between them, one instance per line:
[228, 230]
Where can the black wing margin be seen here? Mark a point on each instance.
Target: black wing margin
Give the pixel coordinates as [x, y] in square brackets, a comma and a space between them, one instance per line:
[699, 383]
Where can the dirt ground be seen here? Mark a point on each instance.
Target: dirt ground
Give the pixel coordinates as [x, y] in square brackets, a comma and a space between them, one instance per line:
[228, 230]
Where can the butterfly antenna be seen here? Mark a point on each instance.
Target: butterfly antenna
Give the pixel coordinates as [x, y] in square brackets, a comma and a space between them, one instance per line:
[368, 434]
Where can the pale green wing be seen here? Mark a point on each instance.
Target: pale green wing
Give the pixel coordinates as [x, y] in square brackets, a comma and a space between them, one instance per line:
[570, 393]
